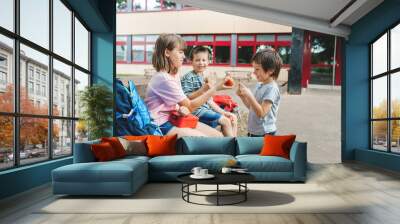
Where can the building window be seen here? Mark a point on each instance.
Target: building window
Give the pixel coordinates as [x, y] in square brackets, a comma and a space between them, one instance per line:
[34, 115]
[384, 92]
[148, 5]
[122, 49]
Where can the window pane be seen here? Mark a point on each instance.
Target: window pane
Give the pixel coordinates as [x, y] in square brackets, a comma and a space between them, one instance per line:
[122, 5]
[81, 131]
[81, 81]
[379, 98]
[395, 136]
[222, 54]
[189, 38]
[263, 46]
[395, 47]
[81, 45]
[205, 38]
[395, 94]
[138, 53]
[244, 54]
[35, 21]
[36, 102]
[322, 49]
[7, 14]
[62, 29]
[223, 38]
[33, 139]
[122, 38]
[321, 75]
[151, 38]
[6, 75]
[169, 4]
[285, 37]
[153, 5]
[6, 142]
[138, 38]
[379, 135]
[188, 50]
[139, 5]
[149, 52]
[62, 138]
[285, 52]
[379, 55]
[122, 52]
[265, 37]
[62, 89]
[246, 38]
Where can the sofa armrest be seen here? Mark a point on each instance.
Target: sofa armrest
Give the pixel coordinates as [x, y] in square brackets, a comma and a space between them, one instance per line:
[298, 155]
[83, 152]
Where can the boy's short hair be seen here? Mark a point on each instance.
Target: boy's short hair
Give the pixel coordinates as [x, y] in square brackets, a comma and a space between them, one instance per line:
[269, 59]
[199, 49]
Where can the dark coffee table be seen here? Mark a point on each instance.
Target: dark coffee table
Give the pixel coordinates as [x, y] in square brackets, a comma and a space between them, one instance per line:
[238, 179]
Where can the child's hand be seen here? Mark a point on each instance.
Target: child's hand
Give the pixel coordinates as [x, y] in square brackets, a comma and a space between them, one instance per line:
[209, 83]
[184, 110]
[231, 116]
[243, 90]
[221, 84]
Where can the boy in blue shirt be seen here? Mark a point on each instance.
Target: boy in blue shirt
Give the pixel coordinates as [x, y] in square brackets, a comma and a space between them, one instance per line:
[193, 83]
[263, 101]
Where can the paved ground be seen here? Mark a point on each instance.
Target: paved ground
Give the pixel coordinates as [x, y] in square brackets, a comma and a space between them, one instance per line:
[314, 116]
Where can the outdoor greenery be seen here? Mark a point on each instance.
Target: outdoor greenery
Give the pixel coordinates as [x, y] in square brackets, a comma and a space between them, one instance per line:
[96, 102]
[380, 128]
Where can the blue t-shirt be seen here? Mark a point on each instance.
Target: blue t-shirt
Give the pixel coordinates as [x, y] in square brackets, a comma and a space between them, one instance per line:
[266, 124]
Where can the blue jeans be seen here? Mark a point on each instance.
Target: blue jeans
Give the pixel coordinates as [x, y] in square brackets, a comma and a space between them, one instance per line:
[166, 127]
[210, 118]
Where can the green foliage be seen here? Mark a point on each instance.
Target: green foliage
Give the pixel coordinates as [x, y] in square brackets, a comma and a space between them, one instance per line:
[96, 102]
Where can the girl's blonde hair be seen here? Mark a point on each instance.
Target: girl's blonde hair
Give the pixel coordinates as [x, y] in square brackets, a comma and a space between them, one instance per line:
[166, 42]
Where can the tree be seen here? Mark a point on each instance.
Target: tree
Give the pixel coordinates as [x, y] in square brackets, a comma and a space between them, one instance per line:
[33, 130]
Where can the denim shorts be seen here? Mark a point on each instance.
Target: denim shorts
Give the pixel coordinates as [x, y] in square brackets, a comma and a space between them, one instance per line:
[166, 127]
[210, 118]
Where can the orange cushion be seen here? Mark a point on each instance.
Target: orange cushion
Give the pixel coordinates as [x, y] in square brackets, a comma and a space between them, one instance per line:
[103, 151]
[161, 145]
[116, 145]
[277, 145]
[134, 137]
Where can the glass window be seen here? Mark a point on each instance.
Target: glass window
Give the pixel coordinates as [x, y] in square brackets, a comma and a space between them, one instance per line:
[395, 136]
[168, 5]
[139, 5]
[188, 50]
[40, 62]
[285, 37]
[7, 75]
[121, 51]
[265, 37]
[222, 54]
[6, 142]
[149, 52]
[151, 38]
[7, 14]
[395, 95]
[246, 38]
[395, 47]
[244, 54]
[263, 46]
[34, 144]
[62, 138]
[379, 97]
[379, 55]
[322, 49]
[153, 5]
[189, 38]
[138, 53]
[205, 38]
[321, 75]
[81, 82]
[62, 29]
[122, 5]
[138, 38]
[81, 131]
[222, 38]
[379, 135]
[81, 45]
[285, 52]
[34, 21]
[62, 81]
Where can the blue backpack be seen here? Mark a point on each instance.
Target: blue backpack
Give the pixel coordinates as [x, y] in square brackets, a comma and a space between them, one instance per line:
[132, 115]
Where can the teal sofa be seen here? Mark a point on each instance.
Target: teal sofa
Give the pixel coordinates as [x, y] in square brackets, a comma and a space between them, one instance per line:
[125, 176]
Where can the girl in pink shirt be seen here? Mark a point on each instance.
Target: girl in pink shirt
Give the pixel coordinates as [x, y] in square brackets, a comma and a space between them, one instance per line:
[164, 91]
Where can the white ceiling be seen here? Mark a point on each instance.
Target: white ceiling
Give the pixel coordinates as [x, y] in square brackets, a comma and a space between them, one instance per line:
[315, 15]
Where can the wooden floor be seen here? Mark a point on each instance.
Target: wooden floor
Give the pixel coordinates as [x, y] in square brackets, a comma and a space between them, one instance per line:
[378, 189]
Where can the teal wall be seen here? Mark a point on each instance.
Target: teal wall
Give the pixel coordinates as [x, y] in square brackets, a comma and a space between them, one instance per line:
[355, 93]
[99, 16]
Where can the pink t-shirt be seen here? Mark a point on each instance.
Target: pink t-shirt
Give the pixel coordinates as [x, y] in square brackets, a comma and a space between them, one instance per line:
[164, 92]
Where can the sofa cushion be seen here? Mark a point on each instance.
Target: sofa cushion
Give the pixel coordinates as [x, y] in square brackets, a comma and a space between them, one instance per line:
[249, 145]
[134, 147]
[83, 152]
[185, 163]
[116, 145]
[257, 163]
[103, 152]
[206, 145]
[161, 145]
